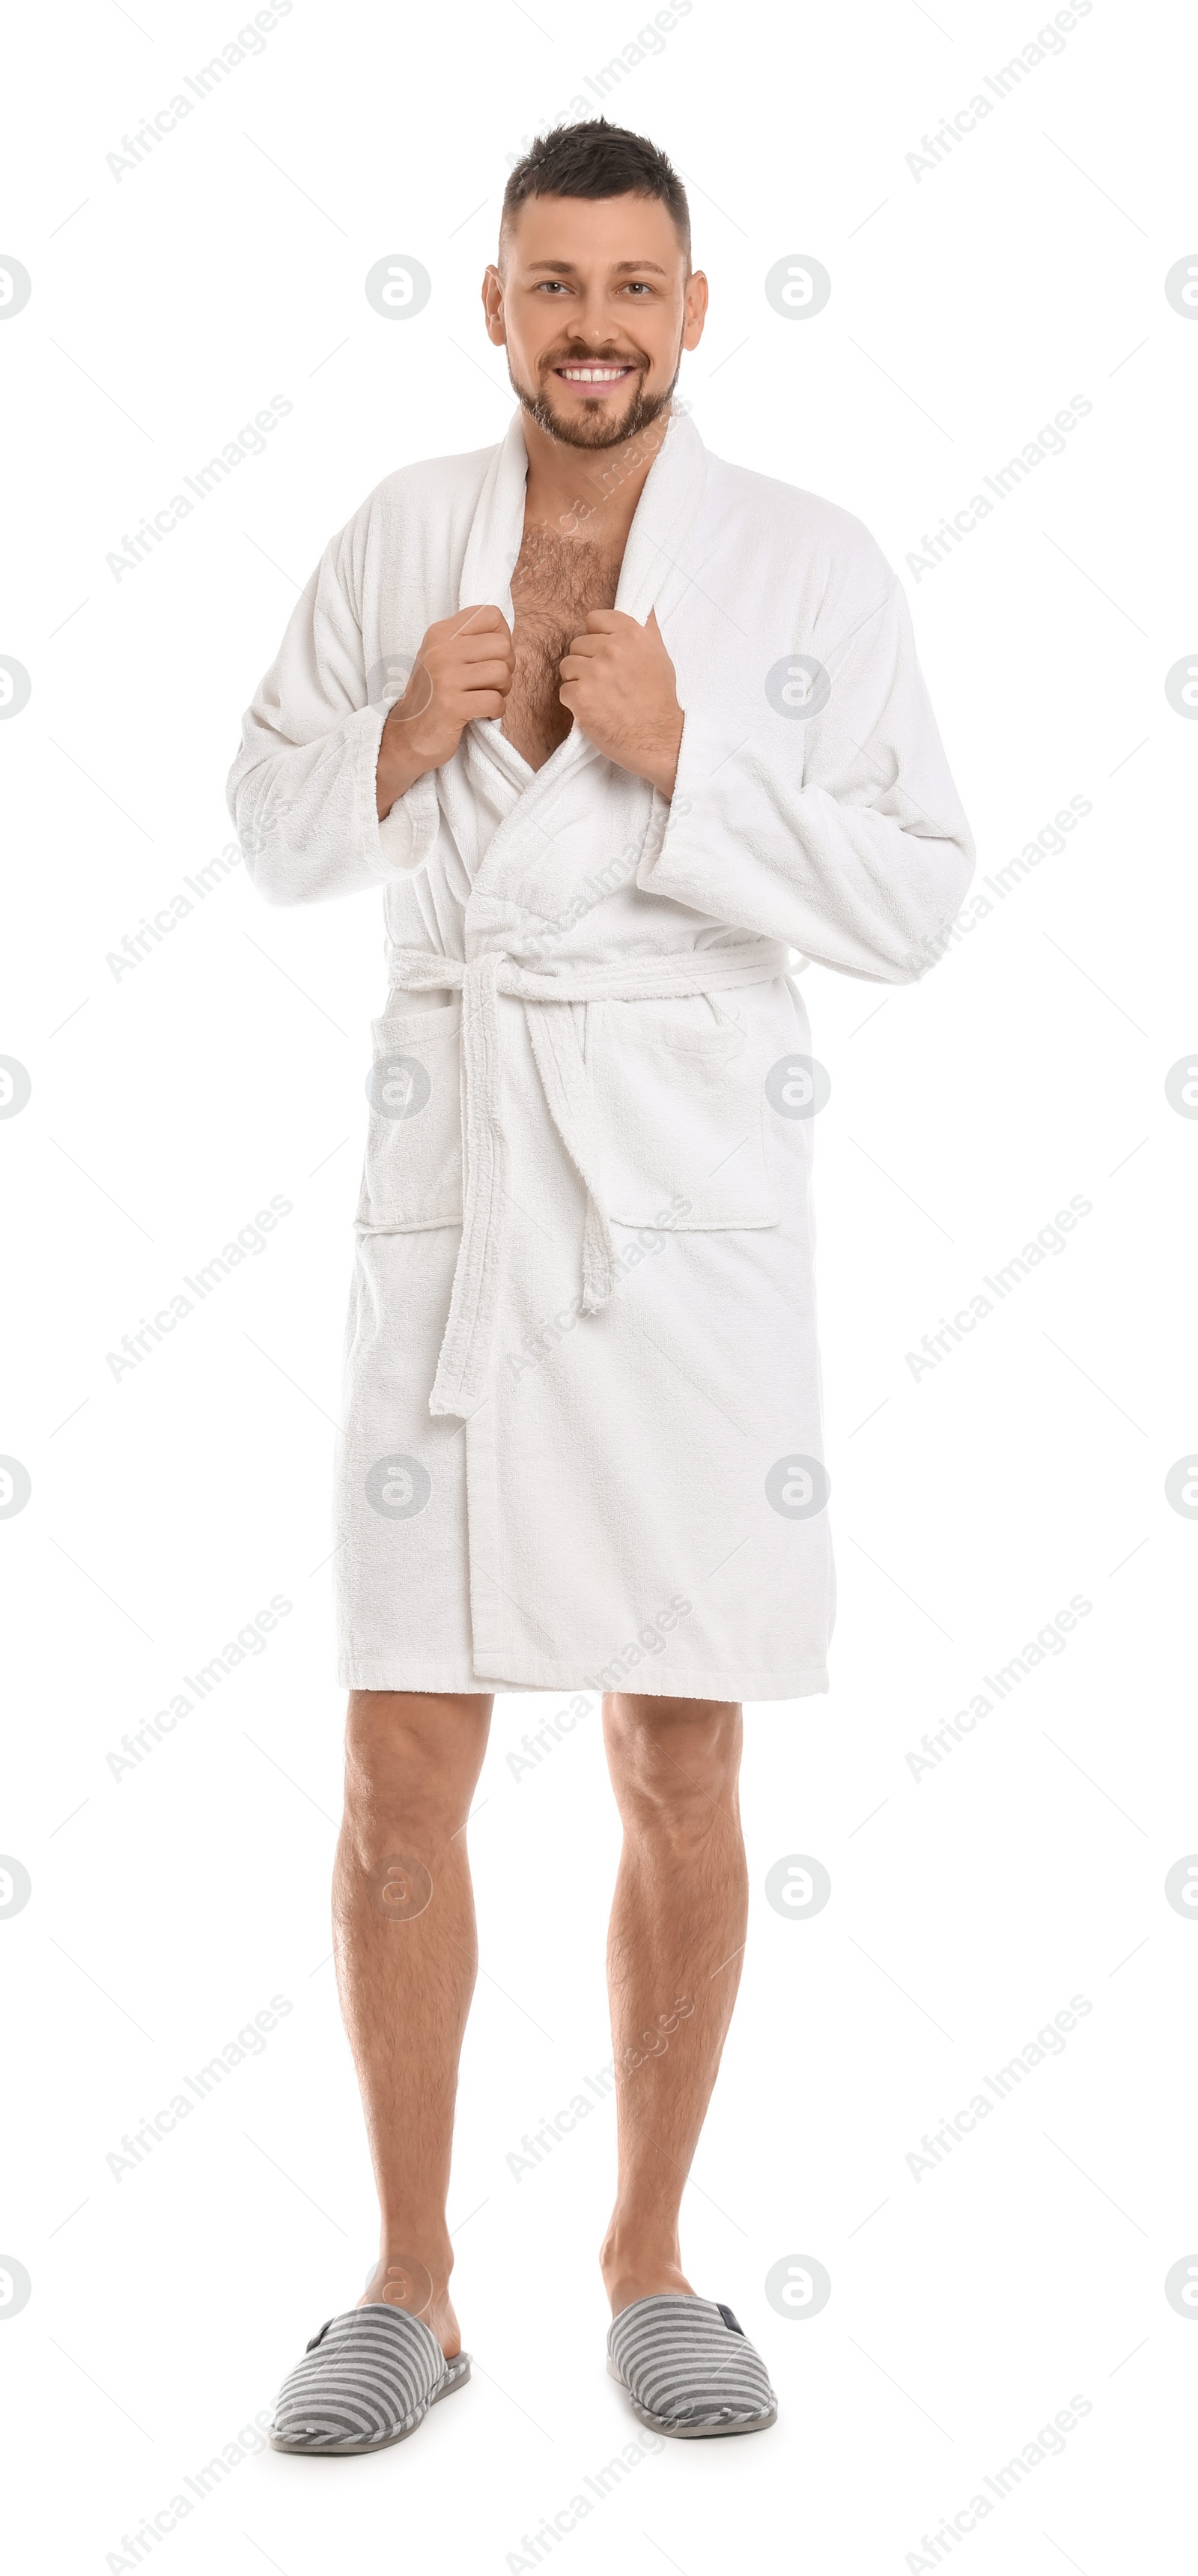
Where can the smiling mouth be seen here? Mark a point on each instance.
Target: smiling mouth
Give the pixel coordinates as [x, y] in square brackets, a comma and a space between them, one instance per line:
[602, 372]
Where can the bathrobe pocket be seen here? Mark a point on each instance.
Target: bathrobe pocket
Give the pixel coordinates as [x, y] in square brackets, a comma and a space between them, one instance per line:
[413, 1170]
[679, 1116]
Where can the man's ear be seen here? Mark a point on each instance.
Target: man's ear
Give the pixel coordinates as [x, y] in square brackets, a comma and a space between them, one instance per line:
[492, 297]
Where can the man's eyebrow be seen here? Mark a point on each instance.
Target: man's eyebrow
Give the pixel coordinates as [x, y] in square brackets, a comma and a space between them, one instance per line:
[623, 267]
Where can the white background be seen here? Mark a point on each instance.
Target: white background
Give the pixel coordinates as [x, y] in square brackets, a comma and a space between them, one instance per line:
[969, 303]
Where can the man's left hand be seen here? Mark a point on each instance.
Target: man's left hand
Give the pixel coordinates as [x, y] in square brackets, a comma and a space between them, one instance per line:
[618, 683]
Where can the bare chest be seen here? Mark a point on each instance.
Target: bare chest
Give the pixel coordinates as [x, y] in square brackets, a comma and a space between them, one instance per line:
[554, 585]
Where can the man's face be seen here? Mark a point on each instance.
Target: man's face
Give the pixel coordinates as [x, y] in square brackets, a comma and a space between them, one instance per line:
[594, 306]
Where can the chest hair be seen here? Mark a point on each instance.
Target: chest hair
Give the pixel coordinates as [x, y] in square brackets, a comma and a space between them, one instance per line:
[555, 582]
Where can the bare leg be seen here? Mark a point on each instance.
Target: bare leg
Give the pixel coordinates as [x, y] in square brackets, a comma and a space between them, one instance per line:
[674, 1955]
[406, 1953]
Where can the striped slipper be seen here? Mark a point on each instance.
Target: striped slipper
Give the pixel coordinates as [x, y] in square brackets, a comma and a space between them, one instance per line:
[689, 2367]
[366, 2380]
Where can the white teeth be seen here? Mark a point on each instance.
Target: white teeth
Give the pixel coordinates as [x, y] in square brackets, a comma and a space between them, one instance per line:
[592, 375]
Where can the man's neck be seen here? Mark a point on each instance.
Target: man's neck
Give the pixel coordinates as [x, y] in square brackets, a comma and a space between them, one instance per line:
[588, 492]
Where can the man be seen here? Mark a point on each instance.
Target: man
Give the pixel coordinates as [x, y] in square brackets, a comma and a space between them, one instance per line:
[661, 726]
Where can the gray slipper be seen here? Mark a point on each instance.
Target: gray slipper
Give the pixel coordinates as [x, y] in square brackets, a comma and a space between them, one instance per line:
[366, 2380]
[689, 2367]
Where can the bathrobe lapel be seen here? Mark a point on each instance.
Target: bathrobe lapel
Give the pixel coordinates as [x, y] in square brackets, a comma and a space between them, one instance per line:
[664, 514]
[650, 577]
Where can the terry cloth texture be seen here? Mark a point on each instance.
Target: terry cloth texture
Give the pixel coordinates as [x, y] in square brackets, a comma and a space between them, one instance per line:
[689, 2367]
[368, 2378]
[583, 1440]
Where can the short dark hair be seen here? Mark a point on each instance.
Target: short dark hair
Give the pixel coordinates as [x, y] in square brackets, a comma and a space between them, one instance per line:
[597, 160]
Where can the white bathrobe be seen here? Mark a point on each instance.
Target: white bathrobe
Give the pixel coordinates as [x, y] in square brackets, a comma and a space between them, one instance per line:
[582, 1441]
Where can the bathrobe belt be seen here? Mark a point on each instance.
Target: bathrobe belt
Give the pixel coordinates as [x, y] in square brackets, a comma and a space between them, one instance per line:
[462, 1369]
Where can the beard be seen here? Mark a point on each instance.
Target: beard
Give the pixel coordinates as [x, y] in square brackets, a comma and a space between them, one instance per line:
[596, 429]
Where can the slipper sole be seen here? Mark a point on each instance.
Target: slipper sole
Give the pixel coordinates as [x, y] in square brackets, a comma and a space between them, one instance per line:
[688, 2432]
[456, 2377]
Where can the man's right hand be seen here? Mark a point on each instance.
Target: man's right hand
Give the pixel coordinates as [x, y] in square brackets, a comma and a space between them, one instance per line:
[462, 671]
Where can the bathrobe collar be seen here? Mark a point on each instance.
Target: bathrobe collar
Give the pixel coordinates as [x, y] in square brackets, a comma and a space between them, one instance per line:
[665, 512]
[669, 501]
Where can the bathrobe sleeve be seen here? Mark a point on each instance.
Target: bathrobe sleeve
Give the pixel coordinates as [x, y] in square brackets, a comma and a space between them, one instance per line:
[302, 788]
[843, 836]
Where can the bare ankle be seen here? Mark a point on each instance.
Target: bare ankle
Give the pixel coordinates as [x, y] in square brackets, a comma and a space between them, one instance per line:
[639, 2263]
[403, 2278]
[631, 2238]
[401, 2281]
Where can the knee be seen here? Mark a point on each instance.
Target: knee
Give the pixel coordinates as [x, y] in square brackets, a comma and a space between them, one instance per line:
[673, 1762]
[410, 1766]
